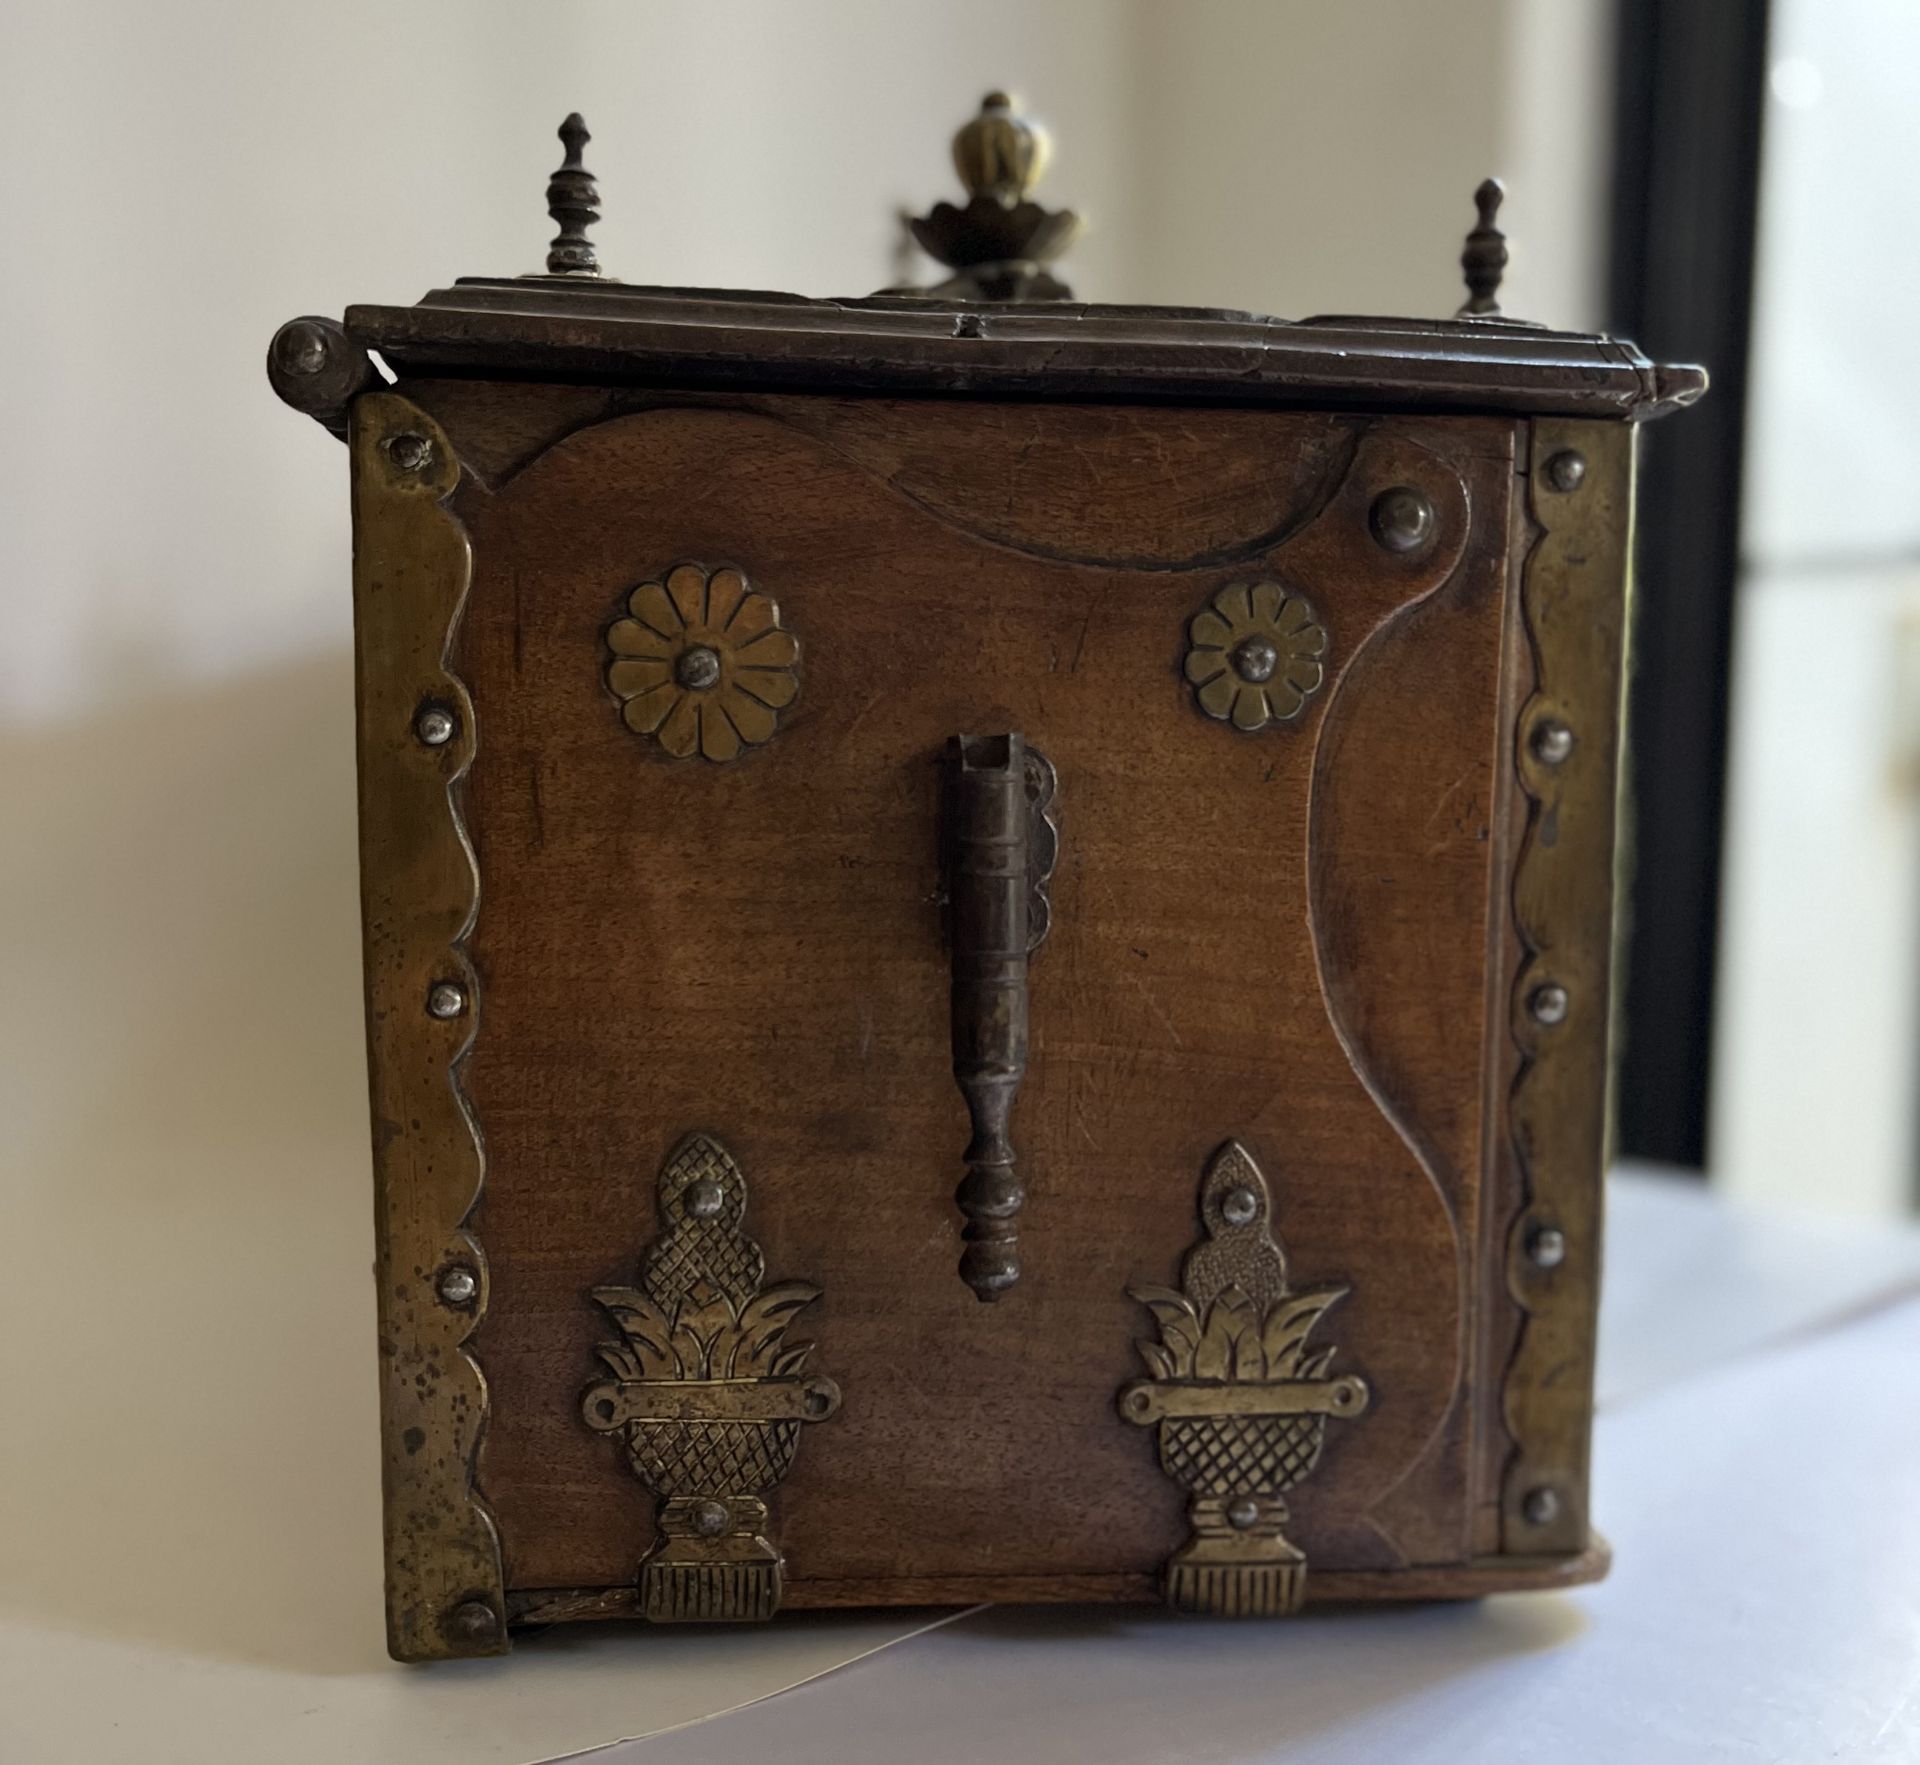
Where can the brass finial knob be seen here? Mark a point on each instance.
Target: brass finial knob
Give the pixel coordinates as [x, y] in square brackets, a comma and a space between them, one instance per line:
[1485, 258]
[1000, 153]
[1000, 244]
[573, 200]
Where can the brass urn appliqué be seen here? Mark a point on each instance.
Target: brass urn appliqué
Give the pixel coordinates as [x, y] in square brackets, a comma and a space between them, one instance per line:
[1239, 1398]
[708, 1394]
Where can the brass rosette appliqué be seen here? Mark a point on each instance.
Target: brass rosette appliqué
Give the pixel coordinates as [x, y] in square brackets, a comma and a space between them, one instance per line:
[706, 1392]
[1255, 655]
[1240, 1399]
[701, 663]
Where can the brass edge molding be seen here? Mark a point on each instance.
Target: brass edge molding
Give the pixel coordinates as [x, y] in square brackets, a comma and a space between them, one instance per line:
[1566, 757]
[707, 1394]
[1238, 1399]
[419, 889]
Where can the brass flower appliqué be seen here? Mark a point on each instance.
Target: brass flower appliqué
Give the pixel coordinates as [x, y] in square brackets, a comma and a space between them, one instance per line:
[1254, 654]
[702, 664]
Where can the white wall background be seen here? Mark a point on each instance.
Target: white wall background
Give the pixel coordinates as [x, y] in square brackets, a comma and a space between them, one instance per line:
[181, 178]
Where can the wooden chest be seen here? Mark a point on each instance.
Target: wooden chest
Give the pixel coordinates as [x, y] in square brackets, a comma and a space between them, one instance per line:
[1153, 769]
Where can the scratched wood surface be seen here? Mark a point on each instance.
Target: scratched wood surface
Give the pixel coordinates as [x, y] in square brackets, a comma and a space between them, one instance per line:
[1281, 937]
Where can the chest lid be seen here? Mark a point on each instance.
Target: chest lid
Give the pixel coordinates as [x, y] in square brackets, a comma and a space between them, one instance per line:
[1001, 325]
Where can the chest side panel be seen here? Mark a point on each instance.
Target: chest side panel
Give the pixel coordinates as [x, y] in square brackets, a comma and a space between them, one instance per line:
[1277, 936]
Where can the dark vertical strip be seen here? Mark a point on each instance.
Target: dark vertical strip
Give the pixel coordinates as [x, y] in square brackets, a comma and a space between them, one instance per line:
[1691, 86]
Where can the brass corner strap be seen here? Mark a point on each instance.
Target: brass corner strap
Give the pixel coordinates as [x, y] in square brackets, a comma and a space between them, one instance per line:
[419, 892]
[1566, 747]
[1002, 839]
[707, 1393]
[1239, 1399]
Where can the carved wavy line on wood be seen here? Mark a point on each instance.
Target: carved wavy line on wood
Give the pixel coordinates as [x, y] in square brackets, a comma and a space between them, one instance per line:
[1341, 437]
[1410, 1132]
[1309, 504]
[1458, 515]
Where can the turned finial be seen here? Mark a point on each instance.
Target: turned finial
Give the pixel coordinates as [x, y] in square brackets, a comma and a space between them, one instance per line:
[1485, 257]
[1000, 153]
[573, 200]
[1000, 243]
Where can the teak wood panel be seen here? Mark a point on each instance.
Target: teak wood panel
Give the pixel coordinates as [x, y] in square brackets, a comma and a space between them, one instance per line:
[1281, 937]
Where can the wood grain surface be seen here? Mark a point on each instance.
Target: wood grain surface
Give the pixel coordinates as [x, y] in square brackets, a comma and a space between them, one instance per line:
[1282, 937]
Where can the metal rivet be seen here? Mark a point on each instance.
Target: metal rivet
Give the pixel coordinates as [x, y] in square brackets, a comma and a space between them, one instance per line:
[704, 1198]
[1256, 659]
[1549, 1003]
[474, 1620]
[434, 726]
[1540, 1506]
[1238, 1206]
[410, 452]
[1566, 470]
[1242, 1511]
[709, 1518]
[301, 348]
[444, 999]
[1547, 1247]
[1552, 741]
[697, 669]
[459, 1284]
[1402, 519]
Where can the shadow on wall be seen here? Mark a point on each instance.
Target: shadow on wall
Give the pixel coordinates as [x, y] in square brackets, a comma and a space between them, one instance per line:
[186, 1118]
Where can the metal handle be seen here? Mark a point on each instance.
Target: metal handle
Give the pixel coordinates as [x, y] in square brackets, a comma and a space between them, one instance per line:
[1001, 842]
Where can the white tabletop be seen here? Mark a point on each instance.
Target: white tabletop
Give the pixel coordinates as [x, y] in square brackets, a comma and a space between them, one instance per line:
[1765, 1605]
[1757, 1467]
[203, 1598]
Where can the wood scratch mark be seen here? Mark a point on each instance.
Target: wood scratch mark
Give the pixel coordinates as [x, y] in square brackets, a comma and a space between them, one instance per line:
[519, 625]
[1441, 836]
[1159, 1010]
[1146, 992]
[1086, 625]
[860, 716]
[1079, 1102]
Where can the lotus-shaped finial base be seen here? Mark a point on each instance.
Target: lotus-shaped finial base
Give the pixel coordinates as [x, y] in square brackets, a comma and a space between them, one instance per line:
[1000, 242]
